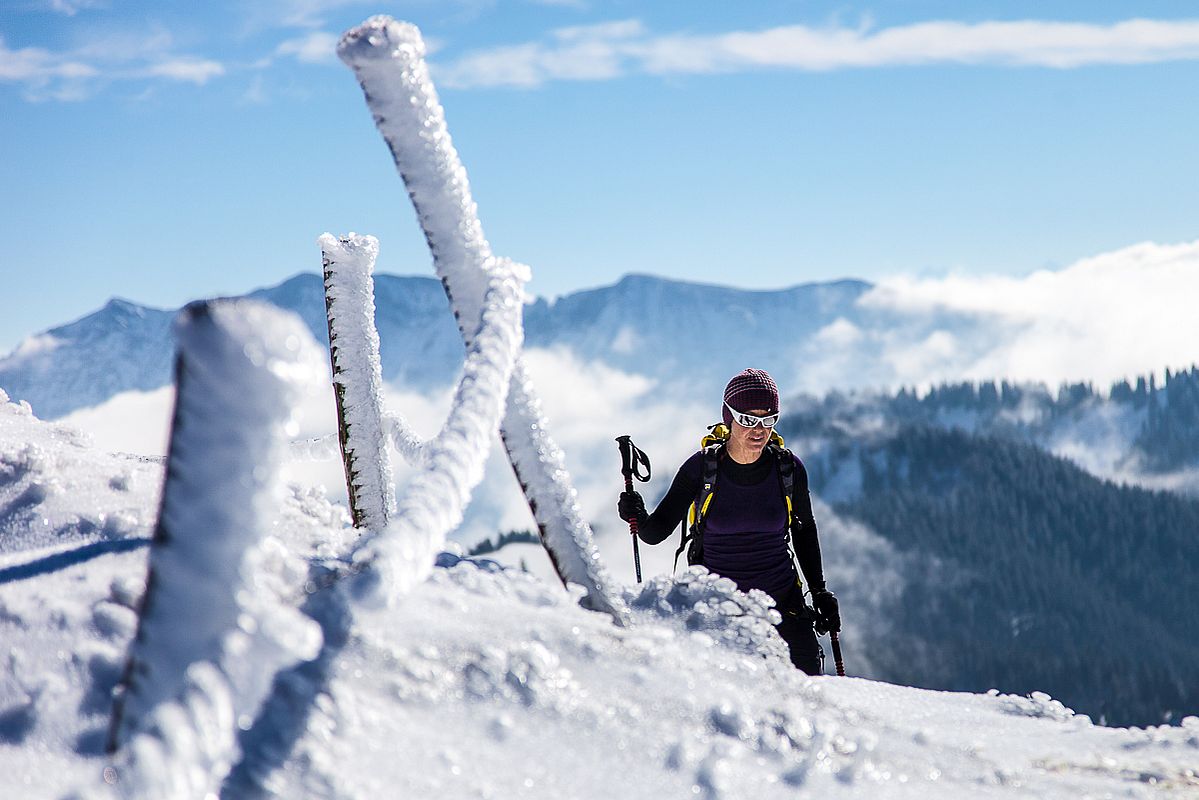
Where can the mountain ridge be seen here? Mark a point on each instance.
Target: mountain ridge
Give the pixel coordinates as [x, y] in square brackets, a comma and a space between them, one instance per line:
[124, 346]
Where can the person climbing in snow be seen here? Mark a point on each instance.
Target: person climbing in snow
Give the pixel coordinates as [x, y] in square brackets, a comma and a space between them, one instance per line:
[742, 530]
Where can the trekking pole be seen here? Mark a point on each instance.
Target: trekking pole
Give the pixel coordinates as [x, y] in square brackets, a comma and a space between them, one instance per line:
[836, 640]
[632, 458]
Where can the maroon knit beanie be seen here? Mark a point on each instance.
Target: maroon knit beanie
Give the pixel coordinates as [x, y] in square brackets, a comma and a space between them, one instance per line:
[749, 390]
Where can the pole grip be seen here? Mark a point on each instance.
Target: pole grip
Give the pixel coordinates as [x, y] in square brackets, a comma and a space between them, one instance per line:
[629, 455]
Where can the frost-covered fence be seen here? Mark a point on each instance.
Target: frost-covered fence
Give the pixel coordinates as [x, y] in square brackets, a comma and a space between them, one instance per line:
[391, 562]
[388, 59]
[213, 629]
[358, 376]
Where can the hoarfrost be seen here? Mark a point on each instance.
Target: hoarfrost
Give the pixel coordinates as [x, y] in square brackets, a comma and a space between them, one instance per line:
[388, 59]
[403, 554]
[358, 375]
[214, 628]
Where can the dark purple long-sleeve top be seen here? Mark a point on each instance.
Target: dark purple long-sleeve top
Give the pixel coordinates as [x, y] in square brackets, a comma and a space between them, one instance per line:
[745, 536]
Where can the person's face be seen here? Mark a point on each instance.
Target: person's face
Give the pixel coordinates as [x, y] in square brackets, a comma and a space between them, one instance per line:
[750, 440]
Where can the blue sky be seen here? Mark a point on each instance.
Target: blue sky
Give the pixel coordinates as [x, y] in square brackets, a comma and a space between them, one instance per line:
[165, 151]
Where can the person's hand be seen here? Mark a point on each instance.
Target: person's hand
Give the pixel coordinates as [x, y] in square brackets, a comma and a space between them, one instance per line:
[828, 614]
[631, 507]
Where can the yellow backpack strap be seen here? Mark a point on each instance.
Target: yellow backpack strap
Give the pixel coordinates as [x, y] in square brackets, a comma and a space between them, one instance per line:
[717, 434]
[786, 470]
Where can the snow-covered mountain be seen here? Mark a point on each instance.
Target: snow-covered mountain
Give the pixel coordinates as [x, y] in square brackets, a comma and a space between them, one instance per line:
[125, 347]
[679, 341]
[122, 347]
[670, 331]
[693, 335]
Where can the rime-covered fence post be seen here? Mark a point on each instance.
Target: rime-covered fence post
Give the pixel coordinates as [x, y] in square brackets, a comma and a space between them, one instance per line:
[212, 627]
[388, 59]
[391, 562]
[358, 376]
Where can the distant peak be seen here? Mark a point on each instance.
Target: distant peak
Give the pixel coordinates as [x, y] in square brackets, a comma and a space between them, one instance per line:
[120, 307]
[121, 304]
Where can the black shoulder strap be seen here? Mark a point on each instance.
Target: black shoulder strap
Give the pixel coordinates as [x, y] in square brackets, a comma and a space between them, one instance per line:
[786, 470]
[693, 534]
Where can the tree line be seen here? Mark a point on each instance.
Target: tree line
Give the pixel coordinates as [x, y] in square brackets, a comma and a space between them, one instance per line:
[1034, 574]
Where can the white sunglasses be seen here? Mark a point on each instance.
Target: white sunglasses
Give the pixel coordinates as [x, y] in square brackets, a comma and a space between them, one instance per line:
[750, 421]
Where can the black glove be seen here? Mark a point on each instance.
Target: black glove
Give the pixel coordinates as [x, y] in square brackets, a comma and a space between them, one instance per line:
[828, 615]
[631, 507]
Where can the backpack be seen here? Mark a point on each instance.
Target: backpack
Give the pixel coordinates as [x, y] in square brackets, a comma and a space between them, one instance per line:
[712, 445]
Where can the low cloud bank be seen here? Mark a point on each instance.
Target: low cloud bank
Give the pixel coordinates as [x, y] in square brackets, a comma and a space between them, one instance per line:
[1116, 315]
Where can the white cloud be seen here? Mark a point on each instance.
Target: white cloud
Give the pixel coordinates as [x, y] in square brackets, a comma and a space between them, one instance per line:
[1021, 43]
[583, 52]
[1118, 314]
[190, 70]
[35, 346]
[77, 74]
[613, 49]
[34, 64]
[315, 48]
[73, 7]
[839, 332]
[130, 422]
[114, 47]
[621, 29]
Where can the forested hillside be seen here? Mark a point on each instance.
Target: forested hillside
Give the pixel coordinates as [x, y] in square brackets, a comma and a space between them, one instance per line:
[1139, 428]
[1033, 573]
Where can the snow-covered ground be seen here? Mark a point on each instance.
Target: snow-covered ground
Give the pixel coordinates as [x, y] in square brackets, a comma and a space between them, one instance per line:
[489, 682]
[464, 679]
